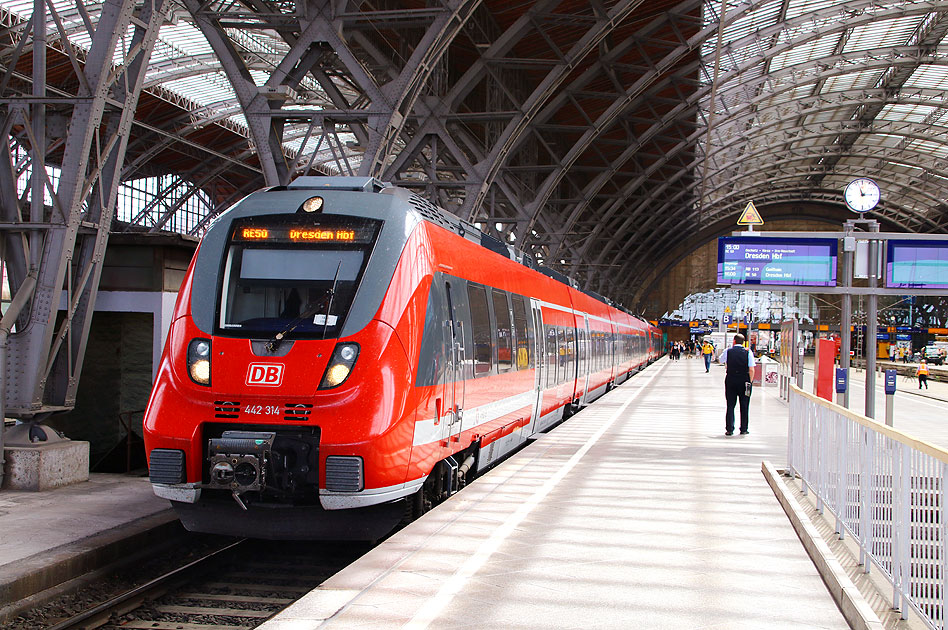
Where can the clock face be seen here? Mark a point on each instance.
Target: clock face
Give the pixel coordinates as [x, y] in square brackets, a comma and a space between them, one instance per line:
[862, 194]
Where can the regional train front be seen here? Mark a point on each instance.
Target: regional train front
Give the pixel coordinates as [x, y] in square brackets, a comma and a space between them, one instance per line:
[281, 401]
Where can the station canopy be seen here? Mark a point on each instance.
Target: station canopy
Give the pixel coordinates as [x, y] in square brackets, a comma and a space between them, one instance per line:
[607, 138]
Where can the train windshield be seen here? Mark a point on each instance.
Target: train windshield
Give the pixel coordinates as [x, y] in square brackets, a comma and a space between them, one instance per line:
[298, 280]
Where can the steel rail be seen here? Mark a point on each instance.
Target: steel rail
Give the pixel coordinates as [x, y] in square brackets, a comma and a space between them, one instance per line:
[101, 614]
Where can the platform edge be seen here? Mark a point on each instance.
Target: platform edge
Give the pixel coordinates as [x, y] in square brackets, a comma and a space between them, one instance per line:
[47, 574]
[856, 610]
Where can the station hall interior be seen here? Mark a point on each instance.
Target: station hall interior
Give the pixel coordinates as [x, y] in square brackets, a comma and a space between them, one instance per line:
[613, 142]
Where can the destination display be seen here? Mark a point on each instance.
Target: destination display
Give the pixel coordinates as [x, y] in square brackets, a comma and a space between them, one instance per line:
[765, 260]
[350, 231]
[916, 265]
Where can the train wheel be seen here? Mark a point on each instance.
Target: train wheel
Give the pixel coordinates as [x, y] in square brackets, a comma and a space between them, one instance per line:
[416, 505]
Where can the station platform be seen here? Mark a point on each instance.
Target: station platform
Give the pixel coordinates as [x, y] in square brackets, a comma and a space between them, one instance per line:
[638, 512]
[49, 538]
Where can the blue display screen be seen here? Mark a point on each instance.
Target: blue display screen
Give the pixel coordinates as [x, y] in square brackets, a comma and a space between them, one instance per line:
[916, 265]
[764, 260]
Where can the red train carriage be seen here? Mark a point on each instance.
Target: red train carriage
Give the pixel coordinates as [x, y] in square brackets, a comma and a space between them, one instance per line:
[343, 353]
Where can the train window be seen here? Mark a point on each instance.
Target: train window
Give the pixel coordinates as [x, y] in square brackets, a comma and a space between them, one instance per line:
[480, 327]
[434, 339]
[504, 333]
[308, 291]
[523, 337]
[570, 334]
[598, 350]
[563, 352]
[552, 356]
[581, 352]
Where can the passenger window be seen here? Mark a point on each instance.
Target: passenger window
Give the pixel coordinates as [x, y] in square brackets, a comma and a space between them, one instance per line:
[581, 352]
[552, 356]
[524, 342]
[562, 354]
[480, 328]
[504, 333]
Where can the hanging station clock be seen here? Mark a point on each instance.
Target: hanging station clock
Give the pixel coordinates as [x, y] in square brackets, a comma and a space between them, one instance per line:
[861, 194]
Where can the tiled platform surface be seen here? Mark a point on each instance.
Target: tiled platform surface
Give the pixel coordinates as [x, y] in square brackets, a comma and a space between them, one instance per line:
[637, 513]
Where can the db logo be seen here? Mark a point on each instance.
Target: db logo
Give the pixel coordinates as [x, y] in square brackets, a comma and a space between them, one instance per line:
[268, 374]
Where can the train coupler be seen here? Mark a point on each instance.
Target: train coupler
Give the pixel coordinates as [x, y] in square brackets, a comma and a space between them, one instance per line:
[238, 461]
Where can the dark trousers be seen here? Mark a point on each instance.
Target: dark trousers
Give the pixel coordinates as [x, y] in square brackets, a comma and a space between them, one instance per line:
[734, 394]
[923, 380]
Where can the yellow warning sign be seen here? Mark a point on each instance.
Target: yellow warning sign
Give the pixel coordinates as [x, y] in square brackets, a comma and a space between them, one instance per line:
[750, 216]
[727, 309]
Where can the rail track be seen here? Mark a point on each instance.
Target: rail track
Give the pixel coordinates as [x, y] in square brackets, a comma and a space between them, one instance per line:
[234, 588]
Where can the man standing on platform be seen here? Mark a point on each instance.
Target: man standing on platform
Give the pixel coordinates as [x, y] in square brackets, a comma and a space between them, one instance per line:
[737, 383]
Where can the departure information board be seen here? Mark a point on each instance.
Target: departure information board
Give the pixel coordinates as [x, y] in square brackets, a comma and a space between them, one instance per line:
[916, 265]
[763, 260]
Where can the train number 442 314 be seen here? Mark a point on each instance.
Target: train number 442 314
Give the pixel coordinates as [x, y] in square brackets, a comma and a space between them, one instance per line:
[262, 410]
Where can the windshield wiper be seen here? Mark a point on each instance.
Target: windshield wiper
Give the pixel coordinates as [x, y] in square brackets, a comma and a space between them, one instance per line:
[332, 292]
[310, 311]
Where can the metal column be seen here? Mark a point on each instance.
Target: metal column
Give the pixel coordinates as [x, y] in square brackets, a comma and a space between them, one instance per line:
[872, 326]
[846, 310]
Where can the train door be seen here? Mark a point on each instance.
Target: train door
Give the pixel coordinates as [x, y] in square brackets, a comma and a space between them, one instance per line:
[582, 354]
[455, 376]
[539, 348]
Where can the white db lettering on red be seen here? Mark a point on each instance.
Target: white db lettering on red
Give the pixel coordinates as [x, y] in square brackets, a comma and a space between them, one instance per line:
[267, 374]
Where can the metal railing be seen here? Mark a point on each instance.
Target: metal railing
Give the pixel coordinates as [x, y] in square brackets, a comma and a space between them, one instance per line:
[885, 488]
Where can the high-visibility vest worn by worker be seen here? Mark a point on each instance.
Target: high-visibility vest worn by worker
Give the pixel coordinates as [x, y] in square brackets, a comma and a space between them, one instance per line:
[922, 369]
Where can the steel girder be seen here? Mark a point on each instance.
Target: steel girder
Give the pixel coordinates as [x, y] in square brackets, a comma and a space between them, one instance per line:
[565, 61]
[686, 218]
[626, 97]
[774, 31]
[62, 246]
[376, 106]
[550, 135]
[588, 212]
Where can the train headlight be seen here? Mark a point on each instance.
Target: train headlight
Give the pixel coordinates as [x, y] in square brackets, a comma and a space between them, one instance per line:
[340, 365]
[199, 361]
[313, 204]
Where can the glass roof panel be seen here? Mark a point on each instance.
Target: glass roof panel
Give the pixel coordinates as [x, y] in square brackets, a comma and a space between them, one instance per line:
[929, 76]
[928, 147]
[907, 113]
[857, 80]
[822, 47]
[796, 8]
[186, 38]
[203, 89]
[765, 15]
[882, 34]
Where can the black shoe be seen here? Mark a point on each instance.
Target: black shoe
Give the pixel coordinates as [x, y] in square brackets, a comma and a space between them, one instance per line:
[745, 432]
[729, 433]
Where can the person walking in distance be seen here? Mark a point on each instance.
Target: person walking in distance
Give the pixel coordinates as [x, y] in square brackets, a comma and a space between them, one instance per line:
[737, 383]
[707, 349]
[922, 374]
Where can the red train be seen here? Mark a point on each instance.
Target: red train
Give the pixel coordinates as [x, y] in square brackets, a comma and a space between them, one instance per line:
[344, 353]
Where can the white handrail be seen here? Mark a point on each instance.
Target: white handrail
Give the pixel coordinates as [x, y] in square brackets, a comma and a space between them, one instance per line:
[886, 489]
